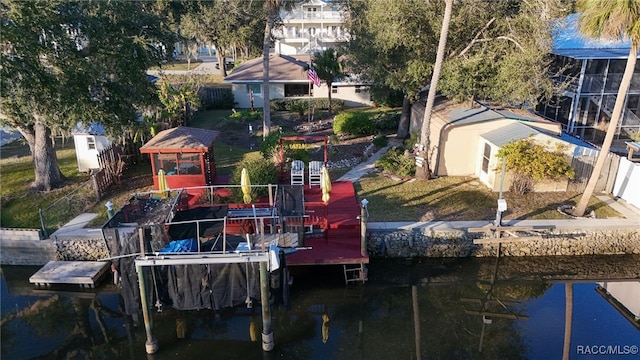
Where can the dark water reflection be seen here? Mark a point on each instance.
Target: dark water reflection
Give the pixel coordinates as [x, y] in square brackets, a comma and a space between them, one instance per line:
[466, 309]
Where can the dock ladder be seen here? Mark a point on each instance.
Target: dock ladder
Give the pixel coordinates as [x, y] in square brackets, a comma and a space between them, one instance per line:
[355, 273]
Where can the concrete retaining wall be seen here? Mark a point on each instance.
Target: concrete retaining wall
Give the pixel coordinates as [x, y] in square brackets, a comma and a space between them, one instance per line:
[26, 247]
[427, 242]
[20, 234]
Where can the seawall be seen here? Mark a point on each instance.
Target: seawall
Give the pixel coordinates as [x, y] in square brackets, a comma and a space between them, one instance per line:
[452, 239]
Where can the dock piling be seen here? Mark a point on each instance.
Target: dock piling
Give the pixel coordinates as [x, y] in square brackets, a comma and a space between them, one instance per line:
[151, 345]
[267, 333]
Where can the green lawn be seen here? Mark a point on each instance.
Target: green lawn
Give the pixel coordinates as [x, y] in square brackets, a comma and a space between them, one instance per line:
[459, 198]
[19, 206]
[446, 198]
[178, 65]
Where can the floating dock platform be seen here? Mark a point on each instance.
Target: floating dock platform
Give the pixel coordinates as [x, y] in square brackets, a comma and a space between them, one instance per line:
[86, 274]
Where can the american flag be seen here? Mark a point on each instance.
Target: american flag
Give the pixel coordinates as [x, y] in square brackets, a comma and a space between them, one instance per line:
[313, 76]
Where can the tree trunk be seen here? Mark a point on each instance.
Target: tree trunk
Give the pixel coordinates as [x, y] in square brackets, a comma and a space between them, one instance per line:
[423, 172]
[405, 119]
[329, 85]
[45, 161]
[611, 130]
[221, 61]
[266, 105]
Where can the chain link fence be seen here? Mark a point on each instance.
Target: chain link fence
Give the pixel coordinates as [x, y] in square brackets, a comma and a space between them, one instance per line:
[54, 216]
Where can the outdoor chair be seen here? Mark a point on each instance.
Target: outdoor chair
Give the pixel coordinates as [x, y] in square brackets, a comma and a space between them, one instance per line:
[315, 173]
[297, 172]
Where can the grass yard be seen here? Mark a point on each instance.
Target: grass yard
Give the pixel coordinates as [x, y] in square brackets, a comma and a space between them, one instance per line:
[442, 199]
[19, 205]
[459, 198]
[178, 65]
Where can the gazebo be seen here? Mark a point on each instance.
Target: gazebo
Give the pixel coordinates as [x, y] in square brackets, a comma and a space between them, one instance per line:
[185, 155]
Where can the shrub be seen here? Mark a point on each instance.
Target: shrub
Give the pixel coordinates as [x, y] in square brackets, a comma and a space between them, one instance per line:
[299, 108]
[246, 115]
[298, 154]
[394, 161]
[380, 141]
[387, 121]
[260, 173]
[270, 144]
[385, 96]
[530, 162]
[354, 123]
[316, 104]
[412, 140]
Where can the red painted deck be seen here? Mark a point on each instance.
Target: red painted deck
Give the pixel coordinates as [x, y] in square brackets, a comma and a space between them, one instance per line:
[341, 243]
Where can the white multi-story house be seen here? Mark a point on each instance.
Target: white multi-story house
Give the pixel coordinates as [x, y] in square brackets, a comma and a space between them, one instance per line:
[312, 26]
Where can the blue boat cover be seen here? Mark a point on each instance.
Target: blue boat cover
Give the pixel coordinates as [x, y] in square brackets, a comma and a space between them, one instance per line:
[186, 245]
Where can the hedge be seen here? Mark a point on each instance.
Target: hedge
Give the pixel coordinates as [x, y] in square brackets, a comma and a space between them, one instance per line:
[316, 103]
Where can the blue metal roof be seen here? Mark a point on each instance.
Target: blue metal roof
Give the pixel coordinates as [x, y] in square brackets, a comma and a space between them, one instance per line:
[89, 129]
[568, 41]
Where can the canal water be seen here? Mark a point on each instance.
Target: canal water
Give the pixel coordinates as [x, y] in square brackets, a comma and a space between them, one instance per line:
[527, 308]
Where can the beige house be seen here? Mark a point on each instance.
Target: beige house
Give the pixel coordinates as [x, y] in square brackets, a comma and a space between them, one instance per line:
[464, 141]
[288, 79]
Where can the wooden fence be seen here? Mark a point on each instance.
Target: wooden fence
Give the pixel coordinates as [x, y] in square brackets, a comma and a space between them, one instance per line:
[112, 165]
[583, 166]
[216, 97]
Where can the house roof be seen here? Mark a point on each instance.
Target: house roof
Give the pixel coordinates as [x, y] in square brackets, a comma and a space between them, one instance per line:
[282, 68]
[181, 139]
[459, 116]
[568, 41]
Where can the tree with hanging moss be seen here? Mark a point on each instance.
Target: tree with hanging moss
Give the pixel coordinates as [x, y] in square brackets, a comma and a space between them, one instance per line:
[64, 62]
[530, 162]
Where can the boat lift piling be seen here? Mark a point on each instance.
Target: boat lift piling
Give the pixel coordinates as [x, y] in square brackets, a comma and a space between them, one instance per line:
[251, 256]
[151, 345]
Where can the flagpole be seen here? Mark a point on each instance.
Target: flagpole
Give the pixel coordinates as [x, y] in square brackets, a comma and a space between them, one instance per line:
[309, 112]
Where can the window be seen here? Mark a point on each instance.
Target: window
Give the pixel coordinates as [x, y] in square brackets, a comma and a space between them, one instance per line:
[256, 88]
[334, 89]
[91, 143]
[293, 90]
[486, 156]
[360, 88]
[166, 162]
[178, 164]
[189, 164]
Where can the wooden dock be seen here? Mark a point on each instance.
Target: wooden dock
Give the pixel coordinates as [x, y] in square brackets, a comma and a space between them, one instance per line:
[86, 274]
[341, 244]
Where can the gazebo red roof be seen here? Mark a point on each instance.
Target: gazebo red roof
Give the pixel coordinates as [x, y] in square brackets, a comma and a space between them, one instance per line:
[181, 139]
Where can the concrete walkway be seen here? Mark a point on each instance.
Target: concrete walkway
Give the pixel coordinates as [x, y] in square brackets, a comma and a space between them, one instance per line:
[76, 228]
[368, 165]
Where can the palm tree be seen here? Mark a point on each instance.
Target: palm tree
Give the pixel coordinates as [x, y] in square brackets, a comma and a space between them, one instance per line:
[423, 172]
[328, 67]
[272, 10]
[614, 20]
